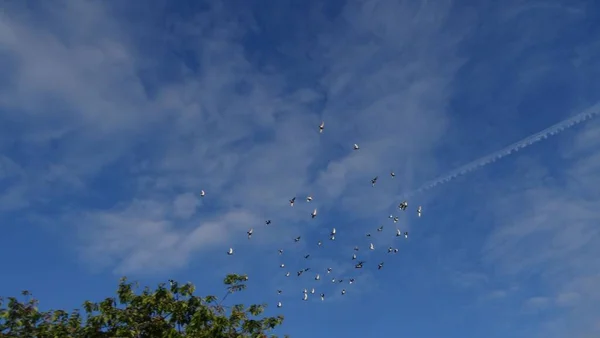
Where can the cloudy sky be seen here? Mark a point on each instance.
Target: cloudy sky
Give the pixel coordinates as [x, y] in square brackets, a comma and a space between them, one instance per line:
[114, 115]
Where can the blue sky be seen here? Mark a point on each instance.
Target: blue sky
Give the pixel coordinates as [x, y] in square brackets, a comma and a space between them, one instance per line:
[114, 115]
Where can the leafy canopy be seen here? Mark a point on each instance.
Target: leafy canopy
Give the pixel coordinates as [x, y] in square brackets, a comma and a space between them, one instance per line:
[171, 311]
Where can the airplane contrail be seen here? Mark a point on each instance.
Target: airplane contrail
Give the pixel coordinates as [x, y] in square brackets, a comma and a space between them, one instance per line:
[526, 142]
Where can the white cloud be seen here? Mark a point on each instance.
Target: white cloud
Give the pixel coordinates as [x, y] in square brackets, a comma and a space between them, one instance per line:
[76, 86]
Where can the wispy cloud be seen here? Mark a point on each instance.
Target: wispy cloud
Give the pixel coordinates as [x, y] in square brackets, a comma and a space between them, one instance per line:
[246, 133]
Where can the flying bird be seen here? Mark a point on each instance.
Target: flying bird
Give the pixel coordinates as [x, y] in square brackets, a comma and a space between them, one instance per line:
[398, 233]
[287, 274]
[279, 304]
[390, 249]
[371, 246]
[322, 296]
[351, 280]
[368, 235]
[250, 233]
[282, 265]
[392, 174]
[328, 270]
[356, 147]
[230, 251]
[305, 297]
[300, 273]
[406, 234]
[374, 180]
[419, 210]
[306, 257]
[279, 292]
[292, 201]
[359, 265]
[314, 213]
[380, 266]
[333, 280]
[309, 198]
[312, 290]
[395, 250]
[343, 292]
[380, 229]
[297, 239]
[353, 256]
[320, 243]
[321, 127]
[280, 251]
[355, 248]
[202, 193]
[396, 219]
[403, 205]
[268, 222]
[317, 277]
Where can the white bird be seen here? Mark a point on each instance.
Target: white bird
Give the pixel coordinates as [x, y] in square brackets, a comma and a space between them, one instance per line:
[371, 246]
[396, 219]
[353, 256]
[328, 270]
[392, 174]
[279, 304]
[406, 235]
[398, 233]
[333, 231]
[312, 290]
[419, 210]
[287, 274]
[230, 251]
[308, 198]
[351, 280]
[391, 216]
[322, 296]
[355, 248]
[250, 233]
[395, 250]
[380, 229]
[314, 213]
[343, 292]
[333, 280]
[320, 243]
[332, 237]
[297, 239]
[380, 266]
[282, 265]
[305, 291]
[305, 297]
[321, 126]
[317, 277]
[390, 249]
[279, 292]
[202, 193]
[356, 147]
[292, 201]
[280, 251]
[403, 205]
[374, 180]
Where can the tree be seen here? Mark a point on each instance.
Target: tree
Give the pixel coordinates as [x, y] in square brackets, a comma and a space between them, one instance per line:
[171, 311]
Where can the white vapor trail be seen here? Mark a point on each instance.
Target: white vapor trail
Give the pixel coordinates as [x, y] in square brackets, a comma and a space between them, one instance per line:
[526, 142]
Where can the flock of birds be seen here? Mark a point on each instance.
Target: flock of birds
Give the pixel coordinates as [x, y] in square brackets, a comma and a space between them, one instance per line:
[359, 264]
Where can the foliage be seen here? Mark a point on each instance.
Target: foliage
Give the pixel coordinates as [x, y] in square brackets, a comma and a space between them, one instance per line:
[171, 311]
